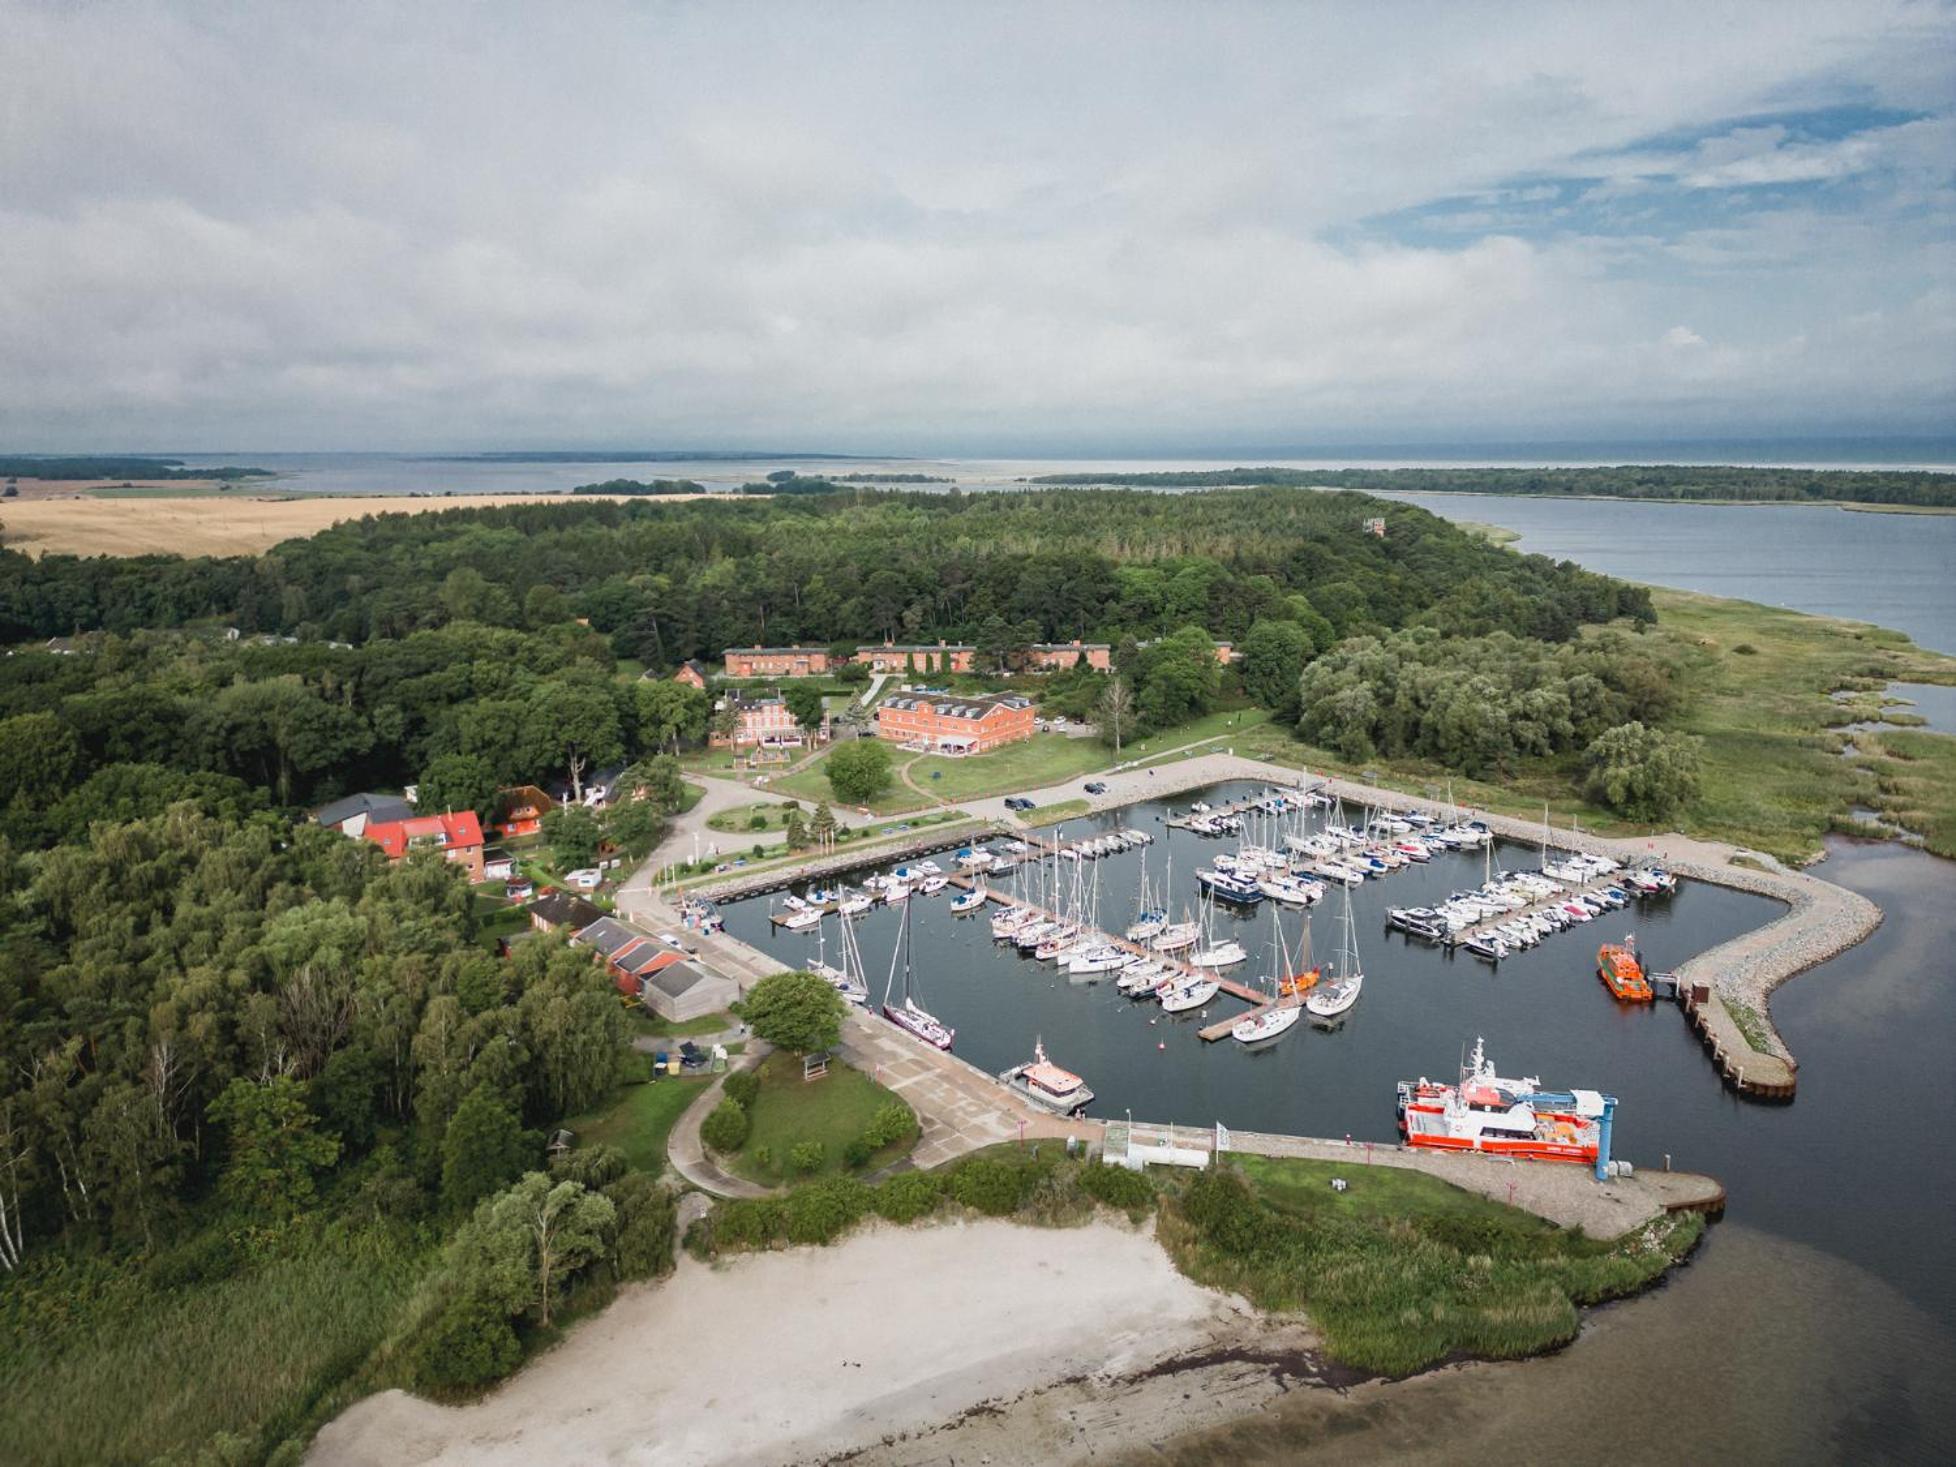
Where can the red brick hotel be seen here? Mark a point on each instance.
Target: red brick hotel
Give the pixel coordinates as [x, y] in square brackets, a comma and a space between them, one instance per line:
[944, 724]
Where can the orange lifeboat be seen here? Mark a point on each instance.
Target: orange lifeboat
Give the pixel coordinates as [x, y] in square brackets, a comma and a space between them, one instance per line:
[1622, 973]
[1299, 984]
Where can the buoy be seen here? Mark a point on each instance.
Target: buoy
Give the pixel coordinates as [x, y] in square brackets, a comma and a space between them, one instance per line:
[1161, 1046]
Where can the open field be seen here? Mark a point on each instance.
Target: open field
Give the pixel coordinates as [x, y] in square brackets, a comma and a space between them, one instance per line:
[240, 522]
[96, 1354]
[833, 1111]
[639, 1118]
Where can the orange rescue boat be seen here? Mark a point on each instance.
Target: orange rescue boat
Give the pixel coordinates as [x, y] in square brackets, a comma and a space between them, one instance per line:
[1622, 973]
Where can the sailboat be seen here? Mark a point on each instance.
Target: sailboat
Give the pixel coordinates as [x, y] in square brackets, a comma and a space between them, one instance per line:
[1277, 1017]
[1212, 954]
[1329, 1000]
[846, 980]
[909, 1015]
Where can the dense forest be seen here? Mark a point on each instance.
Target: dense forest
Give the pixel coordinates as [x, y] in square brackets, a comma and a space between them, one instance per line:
[1624, 481]
[667, 581]
[18, 466]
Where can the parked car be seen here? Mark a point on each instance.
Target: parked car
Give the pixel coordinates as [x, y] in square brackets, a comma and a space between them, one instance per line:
[1095, 787]
[1019, 802]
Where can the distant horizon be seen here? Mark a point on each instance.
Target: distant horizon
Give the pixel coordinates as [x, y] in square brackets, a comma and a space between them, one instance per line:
[1824, 451]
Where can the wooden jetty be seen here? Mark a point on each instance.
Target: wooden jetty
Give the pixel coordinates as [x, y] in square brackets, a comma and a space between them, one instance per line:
[1233, 808]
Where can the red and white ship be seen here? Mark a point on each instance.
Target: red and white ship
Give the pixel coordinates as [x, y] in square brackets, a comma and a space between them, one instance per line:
[1502, 1117]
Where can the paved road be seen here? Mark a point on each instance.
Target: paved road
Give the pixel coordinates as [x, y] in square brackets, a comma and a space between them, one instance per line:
[687, 1152]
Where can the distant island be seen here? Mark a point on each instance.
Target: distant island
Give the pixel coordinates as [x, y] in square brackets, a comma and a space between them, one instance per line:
[636, 456]
[28, 466]
[637, 486]
[1687, 482]
[894, 479]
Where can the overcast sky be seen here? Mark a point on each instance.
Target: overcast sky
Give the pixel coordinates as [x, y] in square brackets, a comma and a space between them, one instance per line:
[972, 227]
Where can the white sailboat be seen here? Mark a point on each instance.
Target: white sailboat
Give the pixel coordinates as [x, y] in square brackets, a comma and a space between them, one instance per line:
[909, 1015]
[1329, 1000]
[1276, 1018]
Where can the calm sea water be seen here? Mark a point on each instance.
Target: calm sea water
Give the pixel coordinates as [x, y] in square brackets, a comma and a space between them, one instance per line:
[1893, 570]
[1848, 1182]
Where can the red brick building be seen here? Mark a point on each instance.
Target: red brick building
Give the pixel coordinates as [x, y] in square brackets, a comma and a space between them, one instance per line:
[1059, 656]
[691, 674]
[457, 837]
[950, 725]
[760, 723]
[776, 661]
[917, 657]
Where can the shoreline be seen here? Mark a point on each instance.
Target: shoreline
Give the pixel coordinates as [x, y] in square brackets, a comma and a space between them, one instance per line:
[859, 1362]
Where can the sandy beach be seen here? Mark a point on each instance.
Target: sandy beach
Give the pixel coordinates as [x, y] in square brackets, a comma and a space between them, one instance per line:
[876, 1343]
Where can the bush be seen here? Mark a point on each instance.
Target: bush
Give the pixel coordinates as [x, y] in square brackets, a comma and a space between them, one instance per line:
[743, 1085]
[893, 1122]
[757, 822]
[822, 1211]
[745, 1223]
[590, 1166]
[857, 1153]
[807, 1156]
[908, 1196]
[1117, 1187]
[1745, 649]
[995, 1188]
[648, 1218]
[469, 1344]
[726, 1128]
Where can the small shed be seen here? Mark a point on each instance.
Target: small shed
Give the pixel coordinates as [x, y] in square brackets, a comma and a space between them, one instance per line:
[682, 991]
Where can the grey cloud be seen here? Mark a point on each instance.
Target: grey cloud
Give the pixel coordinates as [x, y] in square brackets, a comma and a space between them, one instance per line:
[907, 226]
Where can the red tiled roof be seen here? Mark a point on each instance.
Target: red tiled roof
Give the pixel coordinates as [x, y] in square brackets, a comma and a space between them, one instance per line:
[451, 832]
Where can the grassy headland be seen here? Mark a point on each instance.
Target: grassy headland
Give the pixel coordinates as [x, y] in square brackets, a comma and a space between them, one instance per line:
[1399, 1272]
[1759, 684]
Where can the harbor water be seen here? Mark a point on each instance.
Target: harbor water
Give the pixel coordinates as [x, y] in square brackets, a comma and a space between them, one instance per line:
[1838, 1220]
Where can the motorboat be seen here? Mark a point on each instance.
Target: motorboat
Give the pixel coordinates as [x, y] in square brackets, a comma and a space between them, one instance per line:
[1622, 972]
[1046, 1085]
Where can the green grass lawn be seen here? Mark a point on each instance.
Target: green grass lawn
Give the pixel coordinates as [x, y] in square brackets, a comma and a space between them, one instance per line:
[496, 916]
[811, 785]
[789, 1110]
[1053, 814]
[694, 793]
[1380, 1194]
[657, 1028]
[1404, 1270]
[740, 820]
[639, 1118]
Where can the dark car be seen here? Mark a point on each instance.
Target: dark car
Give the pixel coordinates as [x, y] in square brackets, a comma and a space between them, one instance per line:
[1095, 787]
[1019, 802]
